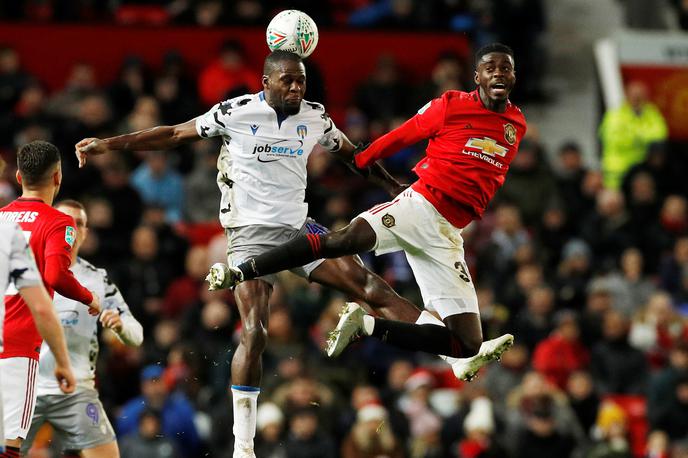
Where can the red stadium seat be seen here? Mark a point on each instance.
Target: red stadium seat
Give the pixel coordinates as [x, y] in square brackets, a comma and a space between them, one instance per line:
[141, 15]
[636, 409]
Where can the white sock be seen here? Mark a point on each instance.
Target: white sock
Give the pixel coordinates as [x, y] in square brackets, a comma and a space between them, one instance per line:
[368, 324]
[428, 318]
[245, 401]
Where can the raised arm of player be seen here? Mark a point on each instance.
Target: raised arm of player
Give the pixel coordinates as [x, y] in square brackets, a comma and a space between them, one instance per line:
[426, 123]
[56, 274]
[375, 173]
[155, 138]
[27, 280]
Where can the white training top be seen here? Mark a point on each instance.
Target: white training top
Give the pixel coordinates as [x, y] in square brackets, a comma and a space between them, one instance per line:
[17, 266]
[262, 165]
[81, 329]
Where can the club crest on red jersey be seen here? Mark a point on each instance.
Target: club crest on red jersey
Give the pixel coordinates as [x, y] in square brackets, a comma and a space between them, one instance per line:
[509, 133]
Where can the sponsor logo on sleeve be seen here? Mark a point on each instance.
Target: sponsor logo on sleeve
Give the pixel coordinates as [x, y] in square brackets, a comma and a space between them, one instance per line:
[70, 235]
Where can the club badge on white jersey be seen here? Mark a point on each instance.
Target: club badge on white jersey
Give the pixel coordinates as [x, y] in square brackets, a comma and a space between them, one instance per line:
[262, 164]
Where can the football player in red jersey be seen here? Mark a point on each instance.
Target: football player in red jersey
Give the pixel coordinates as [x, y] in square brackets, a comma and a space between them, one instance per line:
[472, 138]
[50, 234]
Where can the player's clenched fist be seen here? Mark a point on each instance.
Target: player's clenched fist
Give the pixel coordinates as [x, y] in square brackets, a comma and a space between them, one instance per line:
[65, 378]
[94, 306]
[90, 146]
[110, 319]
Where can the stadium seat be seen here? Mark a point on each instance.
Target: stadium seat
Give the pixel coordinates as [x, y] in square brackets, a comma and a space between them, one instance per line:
[141, 15]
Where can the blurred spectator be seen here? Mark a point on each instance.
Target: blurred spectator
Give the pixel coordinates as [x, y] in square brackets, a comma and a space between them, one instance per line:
[81, 81]
[534, 323]
[449, 73]
[508, 236]
[561, 354]
[569, 175]
[13, 79]
[384, 95]
[657, 445]
[145, 276]
[176, 413]
[617, 367]
[627, 131]
[663, 384]
[201, 194]
[530, 185]
[132, 83]
[584, 401]
[658, 328]
[611, 430]
[228, 76]
[608, 231]
[159, 184]
[674, 216]
[479, 425]
[674, 270]
[634, 285]
[305, 438]
[148, 441]
[673, 418]
[424, 422]
[270, 429]
[665, 176]
[573, 274]
[500, 379]
[370, 436]
[184, 291]
[540, 436]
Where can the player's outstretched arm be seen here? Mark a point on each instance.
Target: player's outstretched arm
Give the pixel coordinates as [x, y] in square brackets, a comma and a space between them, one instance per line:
[155, 138]
[48, 325]
[375, 173]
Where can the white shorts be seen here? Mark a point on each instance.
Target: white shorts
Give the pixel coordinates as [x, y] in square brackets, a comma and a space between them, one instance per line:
[434, 249]
[18, 395]
[2, 420]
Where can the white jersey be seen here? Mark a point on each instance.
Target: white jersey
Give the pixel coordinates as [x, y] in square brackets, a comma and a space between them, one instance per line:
[262, 165]
[17, 266]
[80, 328]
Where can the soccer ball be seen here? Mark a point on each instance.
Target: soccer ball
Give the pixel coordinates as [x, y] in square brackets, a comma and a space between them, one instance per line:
[292, 31]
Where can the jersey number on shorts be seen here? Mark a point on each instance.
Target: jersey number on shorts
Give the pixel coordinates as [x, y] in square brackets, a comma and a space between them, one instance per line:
[463, 271]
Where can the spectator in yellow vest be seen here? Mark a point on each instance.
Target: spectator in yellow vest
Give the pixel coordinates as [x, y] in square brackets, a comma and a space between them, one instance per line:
[626, 133]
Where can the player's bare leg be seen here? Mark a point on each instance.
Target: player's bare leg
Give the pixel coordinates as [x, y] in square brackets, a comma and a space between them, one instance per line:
[102, 451]
[247, 368]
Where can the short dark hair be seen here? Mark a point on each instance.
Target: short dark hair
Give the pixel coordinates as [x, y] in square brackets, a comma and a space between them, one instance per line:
[276, 57]
[70, 203]
[35, 160]
[492, 47]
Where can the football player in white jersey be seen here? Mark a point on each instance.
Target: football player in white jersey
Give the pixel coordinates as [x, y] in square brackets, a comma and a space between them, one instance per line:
[17, 266]
[78, 419]
[267, 138]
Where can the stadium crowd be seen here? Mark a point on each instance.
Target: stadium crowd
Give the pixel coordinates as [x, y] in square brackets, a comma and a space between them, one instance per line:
[592, 281]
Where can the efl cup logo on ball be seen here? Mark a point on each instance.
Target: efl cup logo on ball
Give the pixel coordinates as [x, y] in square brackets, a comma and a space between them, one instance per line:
[292, 31]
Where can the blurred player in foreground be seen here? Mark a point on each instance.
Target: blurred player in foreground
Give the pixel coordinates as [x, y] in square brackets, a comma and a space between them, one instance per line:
[79, 419]
[267, 139]
[50, 234]
[17, 266]
[473, 136]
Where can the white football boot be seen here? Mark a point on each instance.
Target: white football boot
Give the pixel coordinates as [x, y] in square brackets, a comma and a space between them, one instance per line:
[349, 328]
[221, 276]
[467, 368]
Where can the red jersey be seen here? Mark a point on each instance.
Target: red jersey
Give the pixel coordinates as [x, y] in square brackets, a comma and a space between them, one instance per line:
[50, 233]
[468, 154]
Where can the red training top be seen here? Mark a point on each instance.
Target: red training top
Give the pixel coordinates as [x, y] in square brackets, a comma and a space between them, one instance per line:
[468, 154]
[51, 235]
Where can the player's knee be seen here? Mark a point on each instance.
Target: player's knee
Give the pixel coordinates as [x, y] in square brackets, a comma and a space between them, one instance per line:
[373, 290]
